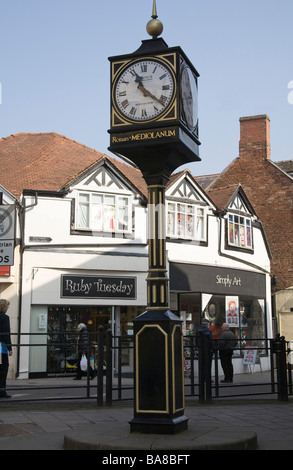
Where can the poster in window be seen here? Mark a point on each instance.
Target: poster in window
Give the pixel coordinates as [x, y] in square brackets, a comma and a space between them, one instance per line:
[232, 311]
[249, 357]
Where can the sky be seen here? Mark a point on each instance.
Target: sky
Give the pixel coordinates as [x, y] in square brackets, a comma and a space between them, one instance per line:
[55, 73]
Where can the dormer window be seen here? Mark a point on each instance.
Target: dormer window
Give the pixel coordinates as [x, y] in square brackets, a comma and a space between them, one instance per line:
[239, 231]
[186, 221]
[103, 212]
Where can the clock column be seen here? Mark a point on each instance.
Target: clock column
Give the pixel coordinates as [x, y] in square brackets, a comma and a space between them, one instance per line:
[157, 281]
[157, 141]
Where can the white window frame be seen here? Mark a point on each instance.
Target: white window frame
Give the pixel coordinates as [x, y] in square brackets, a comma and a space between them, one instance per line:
[105, 208]
[195, 229]
[239, 231]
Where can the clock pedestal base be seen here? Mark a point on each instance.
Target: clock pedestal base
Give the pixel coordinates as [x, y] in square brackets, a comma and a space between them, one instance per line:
[159, 374]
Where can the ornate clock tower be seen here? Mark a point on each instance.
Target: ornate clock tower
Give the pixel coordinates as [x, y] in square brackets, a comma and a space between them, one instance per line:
[154, 125]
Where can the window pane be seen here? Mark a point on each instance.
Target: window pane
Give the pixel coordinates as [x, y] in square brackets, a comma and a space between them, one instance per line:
[242, 235]
[123, 214]
[97, 213]
[200, 224]
[83, 211]
[189, 222]
[109, 218]
[171, 219]
[97, 198]
[248, 233]
[231, 229]
[109, 200]
[84, 198]
[180, 220]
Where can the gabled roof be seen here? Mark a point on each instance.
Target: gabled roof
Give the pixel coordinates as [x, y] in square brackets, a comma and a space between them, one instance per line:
[53, 162]
[50, 162]
[222, 197]
[184, 189]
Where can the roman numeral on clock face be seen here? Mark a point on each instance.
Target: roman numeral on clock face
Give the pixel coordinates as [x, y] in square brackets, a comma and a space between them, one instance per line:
[125, 103]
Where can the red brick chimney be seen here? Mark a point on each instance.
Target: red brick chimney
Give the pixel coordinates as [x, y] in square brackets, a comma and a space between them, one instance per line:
[255, 140]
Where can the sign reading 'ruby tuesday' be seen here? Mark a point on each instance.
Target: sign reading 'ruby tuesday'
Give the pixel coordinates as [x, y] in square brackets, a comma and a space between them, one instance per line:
[98, 287]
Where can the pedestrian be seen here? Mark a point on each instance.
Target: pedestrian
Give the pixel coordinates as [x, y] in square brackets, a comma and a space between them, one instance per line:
[5, 346]
[216, 330]
[204, 329]
[227, 344]
[83, 349]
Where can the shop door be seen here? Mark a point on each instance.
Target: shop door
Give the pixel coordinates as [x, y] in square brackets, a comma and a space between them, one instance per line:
[62, 340]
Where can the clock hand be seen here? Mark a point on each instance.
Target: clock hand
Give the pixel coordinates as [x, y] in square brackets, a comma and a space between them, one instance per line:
[148, 93]
[138, 79]
[145, 92]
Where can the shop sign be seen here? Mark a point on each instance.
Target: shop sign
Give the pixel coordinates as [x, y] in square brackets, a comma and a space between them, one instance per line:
[199, 278]
[98, 287]
[7, 229]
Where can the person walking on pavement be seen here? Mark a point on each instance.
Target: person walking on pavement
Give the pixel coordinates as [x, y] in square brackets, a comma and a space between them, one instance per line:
[83, 349]
[227, 344]
[5, 346]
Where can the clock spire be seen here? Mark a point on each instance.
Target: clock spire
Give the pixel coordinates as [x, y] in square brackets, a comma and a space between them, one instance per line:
[154, 26]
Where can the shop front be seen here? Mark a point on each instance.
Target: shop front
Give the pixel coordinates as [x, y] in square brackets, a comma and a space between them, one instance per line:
[58, 355]
[97, 300]
[224, 295]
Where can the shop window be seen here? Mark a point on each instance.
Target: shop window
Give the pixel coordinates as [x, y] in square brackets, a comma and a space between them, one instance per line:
[186, 221]
[245, 316]
[190, 313]
[239, 231]
[63, 335]
[103, 212]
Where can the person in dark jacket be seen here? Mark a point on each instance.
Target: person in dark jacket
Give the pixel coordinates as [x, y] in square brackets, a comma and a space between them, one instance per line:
[83, 349]
[5, 346]
[205, 330]
[227, 344]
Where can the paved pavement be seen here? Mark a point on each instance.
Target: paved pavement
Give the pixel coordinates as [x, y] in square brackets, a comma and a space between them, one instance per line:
[48, 424]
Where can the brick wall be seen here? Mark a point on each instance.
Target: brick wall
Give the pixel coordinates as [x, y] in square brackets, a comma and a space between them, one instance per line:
[269, 190]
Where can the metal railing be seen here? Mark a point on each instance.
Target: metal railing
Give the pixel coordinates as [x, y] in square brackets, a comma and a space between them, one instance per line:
[113, 384]
[205, 383]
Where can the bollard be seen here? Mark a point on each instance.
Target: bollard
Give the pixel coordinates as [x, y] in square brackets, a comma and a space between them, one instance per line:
[281, 364]
[208, 365]
[100, 366]
[109, 368]
[204, 366]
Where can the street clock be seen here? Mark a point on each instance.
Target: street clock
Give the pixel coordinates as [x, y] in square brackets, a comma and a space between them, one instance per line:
[154, 105]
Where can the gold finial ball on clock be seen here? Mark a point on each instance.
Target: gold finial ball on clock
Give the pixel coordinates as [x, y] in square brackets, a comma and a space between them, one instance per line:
[154, 27]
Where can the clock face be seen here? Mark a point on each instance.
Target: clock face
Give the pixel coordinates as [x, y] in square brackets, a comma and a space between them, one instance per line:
[189, 98]
[144, 90]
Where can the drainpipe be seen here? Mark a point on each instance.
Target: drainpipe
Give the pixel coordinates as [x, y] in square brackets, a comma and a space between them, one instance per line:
[21, 212]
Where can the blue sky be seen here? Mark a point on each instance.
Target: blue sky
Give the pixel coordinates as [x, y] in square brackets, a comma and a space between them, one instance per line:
[55, 73]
